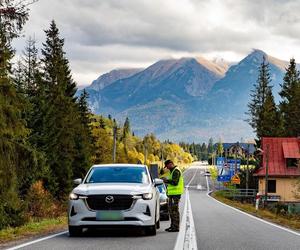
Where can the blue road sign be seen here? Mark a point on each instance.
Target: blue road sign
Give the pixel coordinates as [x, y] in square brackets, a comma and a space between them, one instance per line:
[226, 169]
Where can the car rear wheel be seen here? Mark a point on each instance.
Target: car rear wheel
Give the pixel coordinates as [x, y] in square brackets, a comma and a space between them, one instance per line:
[75, 231]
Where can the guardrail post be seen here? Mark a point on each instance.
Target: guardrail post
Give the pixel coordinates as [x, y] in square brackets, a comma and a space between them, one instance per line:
[257, 201]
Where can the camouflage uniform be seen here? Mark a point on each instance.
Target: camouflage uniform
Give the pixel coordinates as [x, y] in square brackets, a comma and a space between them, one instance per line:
[174, 202]
[174, 211]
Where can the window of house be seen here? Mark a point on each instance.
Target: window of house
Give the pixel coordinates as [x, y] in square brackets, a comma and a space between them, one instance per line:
[291, 162]
[271, 186]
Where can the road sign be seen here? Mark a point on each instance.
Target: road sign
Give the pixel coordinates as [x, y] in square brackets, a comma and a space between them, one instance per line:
[235, 179]
[220, 162]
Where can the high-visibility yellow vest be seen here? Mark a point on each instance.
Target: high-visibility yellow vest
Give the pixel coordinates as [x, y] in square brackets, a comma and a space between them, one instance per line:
[179, 188]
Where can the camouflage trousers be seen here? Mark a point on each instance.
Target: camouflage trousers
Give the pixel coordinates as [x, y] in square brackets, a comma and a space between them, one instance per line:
[174, 210]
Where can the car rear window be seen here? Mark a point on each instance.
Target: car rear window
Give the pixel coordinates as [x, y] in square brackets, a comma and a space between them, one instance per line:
[118, 175]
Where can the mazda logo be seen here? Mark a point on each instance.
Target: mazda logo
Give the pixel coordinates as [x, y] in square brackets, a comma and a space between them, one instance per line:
[109, 199]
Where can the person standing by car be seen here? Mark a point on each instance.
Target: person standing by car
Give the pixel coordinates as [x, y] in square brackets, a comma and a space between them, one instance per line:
[175, 188]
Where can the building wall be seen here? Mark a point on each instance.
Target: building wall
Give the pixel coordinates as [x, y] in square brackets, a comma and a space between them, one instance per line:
[285, 187]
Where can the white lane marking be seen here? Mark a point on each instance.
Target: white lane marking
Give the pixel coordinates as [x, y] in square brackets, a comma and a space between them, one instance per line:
[207, 185]
[190, 239]
[36, 241]
[180, 236]
[186, 238]
[256, 218]
[192, 178]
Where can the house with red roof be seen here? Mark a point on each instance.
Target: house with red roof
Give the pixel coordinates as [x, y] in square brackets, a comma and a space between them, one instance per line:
[281, 156]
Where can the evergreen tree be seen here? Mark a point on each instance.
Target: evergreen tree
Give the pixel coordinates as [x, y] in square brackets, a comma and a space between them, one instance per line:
[204, 152]
[102, 123]
[270, 122]
[261, 109]
[61, 119]
[290, 104]
[12, 127]
[126, 128]
[83, 140]
[210, 147]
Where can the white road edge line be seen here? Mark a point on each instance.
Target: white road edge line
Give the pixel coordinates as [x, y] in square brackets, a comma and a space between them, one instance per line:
[180, 236]
[256, 218]
[36, 241]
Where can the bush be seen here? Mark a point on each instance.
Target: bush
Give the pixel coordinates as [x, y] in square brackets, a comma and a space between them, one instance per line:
[279, 208]
[40, 203]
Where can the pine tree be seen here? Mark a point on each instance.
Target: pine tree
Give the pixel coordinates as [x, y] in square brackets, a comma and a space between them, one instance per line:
[126, 128]
[204, 151]
[210, 147]
[83, 140]
[262, 110]
[102, 123]
[61, 119]
[12, 127]
[290, 104]
[270, 122]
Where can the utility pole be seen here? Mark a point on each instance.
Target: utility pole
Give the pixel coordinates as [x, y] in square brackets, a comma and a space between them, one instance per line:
[114, 143]
[162, 155]
[247, 170]
[235, 158]
[145, 153]
[267, 176]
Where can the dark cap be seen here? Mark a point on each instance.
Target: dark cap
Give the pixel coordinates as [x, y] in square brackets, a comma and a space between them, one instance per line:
[167, 162]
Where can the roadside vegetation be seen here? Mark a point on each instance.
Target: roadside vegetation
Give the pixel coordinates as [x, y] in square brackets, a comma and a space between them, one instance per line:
[33, 228]
[48, 135]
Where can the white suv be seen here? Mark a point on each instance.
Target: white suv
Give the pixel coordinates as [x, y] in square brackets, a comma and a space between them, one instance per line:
[115, 195]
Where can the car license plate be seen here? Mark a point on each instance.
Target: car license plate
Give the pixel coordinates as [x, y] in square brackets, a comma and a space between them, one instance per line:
[109, 215]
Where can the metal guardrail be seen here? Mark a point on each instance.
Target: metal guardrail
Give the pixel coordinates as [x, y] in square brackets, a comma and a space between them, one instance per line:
[239, 193]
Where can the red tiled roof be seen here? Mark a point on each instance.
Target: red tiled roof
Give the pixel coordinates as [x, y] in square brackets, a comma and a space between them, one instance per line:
[291, 150]
[280, 148]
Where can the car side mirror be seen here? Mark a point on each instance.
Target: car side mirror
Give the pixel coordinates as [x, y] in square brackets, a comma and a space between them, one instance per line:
[77, 181]
[158, 182]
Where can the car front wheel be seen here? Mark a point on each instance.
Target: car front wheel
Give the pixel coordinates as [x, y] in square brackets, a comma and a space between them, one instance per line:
[151, 230]
[75, 231]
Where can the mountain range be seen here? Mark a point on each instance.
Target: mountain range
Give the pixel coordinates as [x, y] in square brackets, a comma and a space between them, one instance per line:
[187, 99]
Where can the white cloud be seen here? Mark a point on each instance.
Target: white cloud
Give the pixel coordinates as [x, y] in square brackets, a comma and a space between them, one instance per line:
[107, 34]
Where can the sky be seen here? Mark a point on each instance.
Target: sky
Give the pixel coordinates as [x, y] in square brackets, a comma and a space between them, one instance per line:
[101, 35]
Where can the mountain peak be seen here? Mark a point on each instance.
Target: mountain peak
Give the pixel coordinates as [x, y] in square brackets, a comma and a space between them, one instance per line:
[257, 56]
[218, 66]
[106, 79]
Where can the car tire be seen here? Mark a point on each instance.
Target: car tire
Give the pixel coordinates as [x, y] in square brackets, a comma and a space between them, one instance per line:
[151, 230]
[158, 224]
[74, 231]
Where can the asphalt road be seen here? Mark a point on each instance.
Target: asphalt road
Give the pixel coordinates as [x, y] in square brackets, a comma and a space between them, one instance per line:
[216, 226]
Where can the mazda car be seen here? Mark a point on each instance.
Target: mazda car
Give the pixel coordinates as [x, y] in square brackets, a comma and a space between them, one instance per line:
[115, 195]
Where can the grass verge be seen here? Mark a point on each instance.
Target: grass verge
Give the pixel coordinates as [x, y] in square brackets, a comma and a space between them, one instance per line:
[289, 221]
[33, 228]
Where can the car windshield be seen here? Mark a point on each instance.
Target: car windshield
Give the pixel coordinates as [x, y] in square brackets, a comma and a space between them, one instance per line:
[118, 175]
